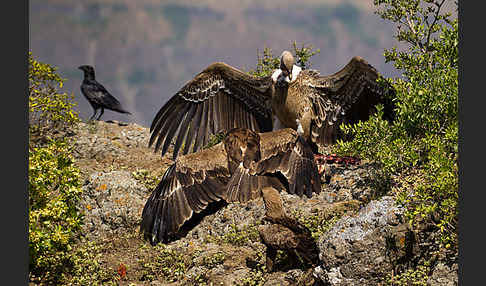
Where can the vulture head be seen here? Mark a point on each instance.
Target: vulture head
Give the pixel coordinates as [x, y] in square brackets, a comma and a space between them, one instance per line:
[287, 63]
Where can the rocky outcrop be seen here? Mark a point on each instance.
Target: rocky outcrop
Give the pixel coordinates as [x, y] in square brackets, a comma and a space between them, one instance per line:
[362, 238]
[113, 203]
[364, 249]
[444, 275]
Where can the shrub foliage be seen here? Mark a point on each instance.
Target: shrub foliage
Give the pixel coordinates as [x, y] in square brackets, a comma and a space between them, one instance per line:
[48, 108]
[54, 187]
[267, 62]
[420, 147]
[54, 220]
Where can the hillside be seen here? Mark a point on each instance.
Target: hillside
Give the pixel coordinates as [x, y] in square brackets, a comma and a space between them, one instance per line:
[361, 234]
[391, 219]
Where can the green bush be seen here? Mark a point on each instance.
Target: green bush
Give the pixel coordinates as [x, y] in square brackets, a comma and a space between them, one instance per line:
[238, 236]
[420, 147]
[86, 268]
[267, 62]
[417, 276]
[54, 186]
[48, 108]
[169, 263]
[54, 220]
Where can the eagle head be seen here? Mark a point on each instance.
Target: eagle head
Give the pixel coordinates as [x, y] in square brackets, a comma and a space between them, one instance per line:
[243, 146]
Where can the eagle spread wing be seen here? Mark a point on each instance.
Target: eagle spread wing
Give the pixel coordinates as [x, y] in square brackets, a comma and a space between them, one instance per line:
[219, 98]
[234, 170]
[281, 151]
[188, 186]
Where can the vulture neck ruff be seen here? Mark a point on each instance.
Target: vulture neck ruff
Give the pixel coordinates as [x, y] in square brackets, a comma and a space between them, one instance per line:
[278, 74]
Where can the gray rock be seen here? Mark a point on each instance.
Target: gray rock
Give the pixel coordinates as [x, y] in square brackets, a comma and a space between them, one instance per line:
[444, 275]
[362, 249]
[112, 203]
[234, 215]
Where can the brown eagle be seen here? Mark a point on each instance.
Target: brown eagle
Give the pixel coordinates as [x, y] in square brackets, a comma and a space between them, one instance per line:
[240, 168]
[222, 97]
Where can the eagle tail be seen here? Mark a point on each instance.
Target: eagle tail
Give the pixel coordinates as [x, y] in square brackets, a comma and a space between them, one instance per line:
[242, 186]
[304, 178]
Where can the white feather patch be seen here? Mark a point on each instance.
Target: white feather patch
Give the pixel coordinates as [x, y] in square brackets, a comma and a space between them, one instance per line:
[300, 130]
[276, 74]
[295, 71]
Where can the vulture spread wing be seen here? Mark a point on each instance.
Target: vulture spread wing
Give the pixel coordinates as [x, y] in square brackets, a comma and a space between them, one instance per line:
[234, 170]
[219, 98]
[348, 96]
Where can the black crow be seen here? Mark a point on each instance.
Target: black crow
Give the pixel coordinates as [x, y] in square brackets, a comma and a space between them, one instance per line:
[97, 95]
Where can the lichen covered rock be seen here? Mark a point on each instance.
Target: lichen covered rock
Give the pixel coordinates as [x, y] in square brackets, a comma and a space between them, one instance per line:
[362, 239]
[112, 203]
[363, 249]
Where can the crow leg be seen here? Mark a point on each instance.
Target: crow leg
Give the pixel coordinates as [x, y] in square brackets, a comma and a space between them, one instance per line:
[95, 110]
[102, 111]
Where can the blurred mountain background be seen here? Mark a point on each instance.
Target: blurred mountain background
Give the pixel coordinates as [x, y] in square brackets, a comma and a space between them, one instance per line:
[144, 51]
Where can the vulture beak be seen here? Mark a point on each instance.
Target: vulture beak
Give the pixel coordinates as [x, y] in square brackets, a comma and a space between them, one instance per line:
[288, 78]
[287, 64]
[287, 74]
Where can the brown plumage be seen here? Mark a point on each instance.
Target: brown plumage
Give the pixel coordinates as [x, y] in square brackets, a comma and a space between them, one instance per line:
[222, 97]
[219, 98]
[239, 169]
[322, 103]
[298, 243]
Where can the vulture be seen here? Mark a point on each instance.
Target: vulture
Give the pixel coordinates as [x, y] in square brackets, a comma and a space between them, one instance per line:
[245, 166]
[222, 97]
[97, 95]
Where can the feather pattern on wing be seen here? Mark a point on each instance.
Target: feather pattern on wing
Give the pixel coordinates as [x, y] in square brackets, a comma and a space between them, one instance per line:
[219, 98]
[187, 187]
[322, 103]
[347, 96]
[235, 170]
[281, 151]
[288, 153]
